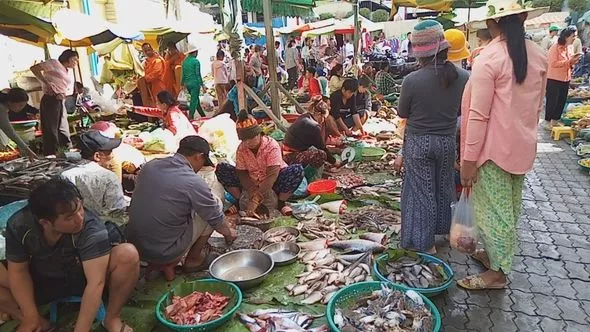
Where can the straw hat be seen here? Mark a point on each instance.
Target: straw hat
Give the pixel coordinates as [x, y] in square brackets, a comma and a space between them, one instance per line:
[192, 48]
[501, 8]
[457, 45]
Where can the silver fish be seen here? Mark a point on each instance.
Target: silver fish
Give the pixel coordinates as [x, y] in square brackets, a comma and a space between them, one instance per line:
[380, 238]
[357, 245]
[313, 298]
[314, 245]
[299, 289]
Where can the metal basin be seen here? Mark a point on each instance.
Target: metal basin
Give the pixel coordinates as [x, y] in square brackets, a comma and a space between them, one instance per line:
[246, 267]
[283, 253]
[275, 230]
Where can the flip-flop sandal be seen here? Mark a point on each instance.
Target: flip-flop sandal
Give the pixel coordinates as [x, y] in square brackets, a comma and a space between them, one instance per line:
[476, 283]
[204, 266]
[286, 211]
[479, 255]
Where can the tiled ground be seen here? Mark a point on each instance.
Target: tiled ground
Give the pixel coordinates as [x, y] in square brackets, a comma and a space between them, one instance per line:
[549, 287]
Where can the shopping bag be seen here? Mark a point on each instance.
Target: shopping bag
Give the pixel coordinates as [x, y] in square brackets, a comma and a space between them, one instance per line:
[463, 235]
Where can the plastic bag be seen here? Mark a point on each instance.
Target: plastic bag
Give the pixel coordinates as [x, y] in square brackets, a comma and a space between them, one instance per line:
[206, 101]
[463, 236]
[183, 97]
[307, 210]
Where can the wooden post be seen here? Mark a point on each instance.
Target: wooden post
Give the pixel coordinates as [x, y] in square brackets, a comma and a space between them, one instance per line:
[270, 56]
[357, 28]
[276, 119]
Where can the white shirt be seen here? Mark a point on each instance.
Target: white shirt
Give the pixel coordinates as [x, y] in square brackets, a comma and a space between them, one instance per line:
[101, 190]
[349, 49]
[291, 57]
[405, 46]
[305, 52]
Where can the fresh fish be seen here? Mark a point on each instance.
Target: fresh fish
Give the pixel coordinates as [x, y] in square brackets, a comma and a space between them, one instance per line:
[312, 276]
[355, 272]
[360, 278]
[313, 298]
[309, 256]
[380, 238]
[299, 289]
[328, 297]
[350, 257]
[323, 328]
[290, 287]
[322, 253]
[357, 245]
[314, 245]
[250, 323]
[325, 261]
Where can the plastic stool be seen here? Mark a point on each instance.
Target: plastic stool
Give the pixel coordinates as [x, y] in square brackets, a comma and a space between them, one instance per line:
[556, 132]
[100, 314]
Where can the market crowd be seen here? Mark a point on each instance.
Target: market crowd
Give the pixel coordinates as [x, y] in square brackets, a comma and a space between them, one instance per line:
[80, 236]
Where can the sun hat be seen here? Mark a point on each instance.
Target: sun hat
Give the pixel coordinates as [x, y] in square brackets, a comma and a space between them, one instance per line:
[457, 45]
[428, 39]
[192, 48]
[247, 126]
[502, 8]
[553, 28]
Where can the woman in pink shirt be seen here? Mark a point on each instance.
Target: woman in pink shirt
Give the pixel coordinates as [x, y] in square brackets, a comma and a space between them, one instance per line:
[561, 61]
[259, 169]
[501, 107]
[174, 119]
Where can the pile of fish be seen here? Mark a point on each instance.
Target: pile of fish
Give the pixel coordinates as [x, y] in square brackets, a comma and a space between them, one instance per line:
[196, 308]
[390, 188]
[248, 237]
[373, 219]
[386, 310]
[381, 165]
[21, 175]
[414, 272]
[267, 320]
[279, 235]
[348, 180]
[326, 271]
[321, 228]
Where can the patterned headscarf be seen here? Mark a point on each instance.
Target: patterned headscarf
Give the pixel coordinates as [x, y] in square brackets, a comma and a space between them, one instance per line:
[247, 126]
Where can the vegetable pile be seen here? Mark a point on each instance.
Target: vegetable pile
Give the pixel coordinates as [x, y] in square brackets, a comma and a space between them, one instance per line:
[196, 308]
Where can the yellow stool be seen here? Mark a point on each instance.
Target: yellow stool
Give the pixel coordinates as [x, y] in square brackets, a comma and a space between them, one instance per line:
[556, 132]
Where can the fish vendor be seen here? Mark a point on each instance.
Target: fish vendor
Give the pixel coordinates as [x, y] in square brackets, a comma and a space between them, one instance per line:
[259, 168]
[55, 248]
[305, 141]
[99, 186]
[173, 211]
[14, 101]
[343, 108]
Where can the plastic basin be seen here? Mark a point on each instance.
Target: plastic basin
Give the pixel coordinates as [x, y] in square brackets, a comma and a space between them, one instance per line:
[348, 295]
[372, 153]
[425, 291]
[205, 285]
[326, 186]
[580, 163]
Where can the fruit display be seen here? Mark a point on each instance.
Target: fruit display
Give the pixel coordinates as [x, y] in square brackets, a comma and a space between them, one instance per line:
[579, 93]
[8, 155]
[585, 162]
[582, 123]
[578, 112]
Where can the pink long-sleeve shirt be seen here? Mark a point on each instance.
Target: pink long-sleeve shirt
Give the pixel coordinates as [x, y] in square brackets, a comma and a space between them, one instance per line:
[500, 117]
[560, 68]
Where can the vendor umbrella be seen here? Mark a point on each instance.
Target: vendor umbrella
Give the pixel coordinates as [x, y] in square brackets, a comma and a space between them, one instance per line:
[22, 26]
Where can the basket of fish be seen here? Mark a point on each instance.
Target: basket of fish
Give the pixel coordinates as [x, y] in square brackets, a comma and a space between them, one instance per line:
[201, 305]
[375, 306]
[420, 272]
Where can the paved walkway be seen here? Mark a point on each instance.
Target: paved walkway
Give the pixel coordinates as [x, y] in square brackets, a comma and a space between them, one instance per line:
[549, 287]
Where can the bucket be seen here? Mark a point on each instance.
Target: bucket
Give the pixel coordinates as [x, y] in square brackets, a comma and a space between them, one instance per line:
[322, 187]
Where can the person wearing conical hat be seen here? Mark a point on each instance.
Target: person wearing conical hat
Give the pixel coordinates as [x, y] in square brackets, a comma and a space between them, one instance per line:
[501, 105]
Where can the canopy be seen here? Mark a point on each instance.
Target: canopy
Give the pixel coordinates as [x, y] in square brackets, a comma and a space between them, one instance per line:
[306, 26]
[77, 30]
[291, 8]
[437, 5]
[365, 23]
[339, 27]
[24, 27]
[547, 19]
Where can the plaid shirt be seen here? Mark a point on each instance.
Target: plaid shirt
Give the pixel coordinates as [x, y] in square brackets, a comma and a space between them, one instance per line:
[385, 83]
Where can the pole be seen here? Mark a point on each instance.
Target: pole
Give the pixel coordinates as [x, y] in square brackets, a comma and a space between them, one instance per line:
[271, 57]
[357, 28]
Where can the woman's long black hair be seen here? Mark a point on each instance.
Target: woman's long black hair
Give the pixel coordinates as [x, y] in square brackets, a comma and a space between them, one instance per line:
[448, 73]
[165, 97]
[564, 34]
[513, 29]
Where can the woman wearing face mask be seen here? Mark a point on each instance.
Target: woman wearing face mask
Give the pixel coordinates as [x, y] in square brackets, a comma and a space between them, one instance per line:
[174, 119]
[14, 100]
[259, 168]
[305, 141]
[561, 61]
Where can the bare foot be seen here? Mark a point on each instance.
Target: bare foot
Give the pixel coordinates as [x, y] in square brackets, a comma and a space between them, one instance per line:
[116, 325]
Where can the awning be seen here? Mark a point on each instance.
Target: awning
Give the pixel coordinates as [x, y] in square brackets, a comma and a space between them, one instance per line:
[306, 26]
[365, 24]
[78, 30]
[547, 19]
[24, 27]
[338, 28]
[291, 8]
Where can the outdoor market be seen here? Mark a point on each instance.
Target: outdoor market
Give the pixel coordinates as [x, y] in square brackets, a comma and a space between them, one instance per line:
[294, 165]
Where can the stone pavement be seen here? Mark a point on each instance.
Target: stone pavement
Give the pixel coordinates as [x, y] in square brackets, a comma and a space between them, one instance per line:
[549, 288]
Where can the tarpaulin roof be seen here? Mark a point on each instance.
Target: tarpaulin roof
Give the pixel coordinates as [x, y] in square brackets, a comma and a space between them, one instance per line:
[307, 26]
[547, 18]
[438, 5]
[337, 28]
[292, 8]
[23, 26]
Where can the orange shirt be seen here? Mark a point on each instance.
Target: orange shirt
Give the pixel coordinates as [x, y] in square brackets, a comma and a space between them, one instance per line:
[173, 61]
[154, 74]
[499, 117]
[558, 58]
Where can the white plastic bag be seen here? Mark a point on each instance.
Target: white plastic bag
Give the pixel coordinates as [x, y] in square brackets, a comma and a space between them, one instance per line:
[463, 236]
[183, 97]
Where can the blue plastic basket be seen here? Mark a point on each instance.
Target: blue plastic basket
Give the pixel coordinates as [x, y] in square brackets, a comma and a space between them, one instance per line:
[425, 291]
